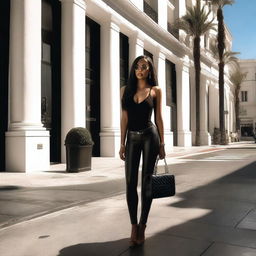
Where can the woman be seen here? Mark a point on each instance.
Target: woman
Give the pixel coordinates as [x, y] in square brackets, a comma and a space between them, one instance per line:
[140, 135]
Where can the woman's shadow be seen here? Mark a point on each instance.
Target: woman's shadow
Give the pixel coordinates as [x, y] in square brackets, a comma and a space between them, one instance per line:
[111, 248]
[227, 200]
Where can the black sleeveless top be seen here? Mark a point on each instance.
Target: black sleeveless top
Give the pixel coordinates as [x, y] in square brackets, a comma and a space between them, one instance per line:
[139, 114]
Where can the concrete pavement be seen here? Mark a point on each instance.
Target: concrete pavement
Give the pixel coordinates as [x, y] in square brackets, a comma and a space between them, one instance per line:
[28, 195]
[212, 214]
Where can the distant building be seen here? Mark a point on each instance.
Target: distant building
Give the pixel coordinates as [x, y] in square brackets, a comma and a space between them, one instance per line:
[247, 97]
[63, 63]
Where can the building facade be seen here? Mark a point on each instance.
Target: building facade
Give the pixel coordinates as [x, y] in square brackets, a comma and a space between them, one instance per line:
[247, 99]
[66, 60]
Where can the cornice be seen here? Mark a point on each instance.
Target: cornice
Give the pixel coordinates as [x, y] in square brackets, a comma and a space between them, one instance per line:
[141, 20]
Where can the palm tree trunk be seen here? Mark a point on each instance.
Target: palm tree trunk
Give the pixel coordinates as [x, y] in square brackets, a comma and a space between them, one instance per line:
[196, 54]
[221, 48]
[221, 103]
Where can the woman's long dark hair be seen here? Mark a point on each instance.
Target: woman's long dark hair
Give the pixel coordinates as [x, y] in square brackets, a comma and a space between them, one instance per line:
[131, 87]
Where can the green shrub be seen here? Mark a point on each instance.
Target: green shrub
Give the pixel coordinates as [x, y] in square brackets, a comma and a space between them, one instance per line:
[78, 136]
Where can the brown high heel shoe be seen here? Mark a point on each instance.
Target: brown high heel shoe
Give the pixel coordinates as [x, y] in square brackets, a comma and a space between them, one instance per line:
[134, 235]
[141, 234]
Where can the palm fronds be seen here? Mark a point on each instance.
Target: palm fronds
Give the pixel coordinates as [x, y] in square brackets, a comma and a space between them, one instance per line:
[196, 21]
[229, 57]
[222, 3]
[237, 77]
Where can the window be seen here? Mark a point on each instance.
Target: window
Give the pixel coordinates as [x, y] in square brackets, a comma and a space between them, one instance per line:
[47, 16]
[150, 8]
[171, 17]
[244, 97]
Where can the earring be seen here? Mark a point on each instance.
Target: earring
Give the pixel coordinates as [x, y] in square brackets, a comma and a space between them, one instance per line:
[149, 75]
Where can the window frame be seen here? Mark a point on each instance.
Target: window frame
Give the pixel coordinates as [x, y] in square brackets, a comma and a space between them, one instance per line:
[244, 96]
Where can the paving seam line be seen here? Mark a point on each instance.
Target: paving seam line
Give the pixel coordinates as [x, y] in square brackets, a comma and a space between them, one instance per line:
[212, 243]
[251, 210]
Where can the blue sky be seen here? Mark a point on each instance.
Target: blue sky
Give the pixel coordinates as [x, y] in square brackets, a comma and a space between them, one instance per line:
[241, 21]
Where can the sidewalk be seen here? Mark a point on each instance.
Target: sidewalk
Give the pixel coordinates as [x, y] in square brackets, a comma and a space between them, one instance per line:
[212, 214]
[25, 196]
[28, 195]
[103, 169]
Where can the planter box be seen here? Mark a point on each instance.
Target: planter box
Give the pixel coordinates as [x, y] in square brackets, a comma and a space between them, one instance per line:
[78, 158]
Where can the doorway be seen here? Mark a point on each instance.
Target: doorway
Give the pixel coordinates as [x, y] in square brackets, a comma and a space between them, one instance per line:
[171, 97]
[4, 64]
[93, 82]
[247, 130]
[124, 59]
[51, 75]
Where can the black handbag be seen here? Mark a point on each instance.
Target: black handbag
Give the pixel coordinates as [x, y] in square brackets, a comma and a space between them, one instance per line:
[163, 185]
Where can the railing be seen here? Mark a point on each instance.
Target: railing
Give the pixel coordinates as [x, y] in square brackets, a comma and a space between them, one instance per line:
[150, 12]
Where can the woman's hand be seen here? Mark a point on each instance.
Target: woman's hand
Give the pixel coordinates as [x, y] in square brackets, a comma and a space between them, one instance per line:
[122, 152]
[162, 152]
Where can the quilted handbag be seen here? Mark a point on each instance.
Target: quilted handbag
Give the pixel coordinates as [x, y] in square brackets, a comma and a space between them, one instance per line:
[163, 185]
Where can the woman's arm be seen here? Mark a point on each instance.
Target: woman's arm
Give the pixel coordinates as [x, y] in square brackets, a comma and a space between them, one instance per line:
[123, 128]
[158, 114]
[159, 121]
[124, 122]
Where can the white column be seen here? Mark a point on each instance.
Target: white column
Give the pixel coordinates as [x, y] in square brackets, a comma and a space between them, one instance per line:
[138, 4]
[228, 113]
[183, 105]
[72, 67]
[212, 111]
[193, 105]
[230, 116]
[204, 134]
[27, 142]
[136, 48]
[110, 90]
[162, 14]
[166, 112]
[216, 95]
[233, 116]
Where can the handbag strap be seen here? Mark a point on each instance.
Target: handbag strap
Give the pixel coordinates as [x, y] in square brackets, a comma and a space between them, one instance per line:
[165, 166]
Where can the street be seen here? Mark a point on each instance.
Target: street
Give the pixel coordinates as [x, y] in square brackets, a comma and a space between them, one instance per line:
[212, 214]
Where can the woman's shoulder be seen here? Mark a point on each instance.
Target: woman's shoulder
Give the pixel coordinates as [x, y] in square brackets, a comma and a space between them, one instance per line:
[156, 89]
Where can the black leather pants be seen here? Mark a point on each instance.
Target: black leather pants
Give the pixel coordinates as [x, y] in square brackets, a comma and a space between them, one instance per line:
[147, 143]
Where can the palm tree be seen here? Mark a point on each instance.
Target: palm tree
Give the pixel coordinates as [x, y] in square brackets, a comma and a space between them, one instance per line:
[237, 77]
[229, 57]
[221, 48]
[196, 23]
